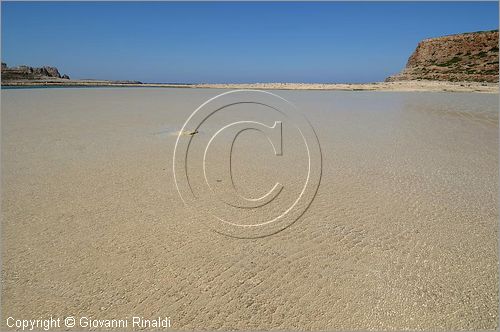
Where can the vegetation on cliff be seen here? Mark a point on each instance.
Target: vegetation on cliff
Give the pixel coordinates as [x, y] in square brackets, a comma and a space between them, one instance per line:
[469, 57]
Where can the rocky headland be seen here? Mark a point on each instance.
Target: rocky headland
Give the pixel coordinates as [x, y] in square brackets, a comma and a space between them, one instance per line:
[469, 57]
[465, 62]
[27, 73]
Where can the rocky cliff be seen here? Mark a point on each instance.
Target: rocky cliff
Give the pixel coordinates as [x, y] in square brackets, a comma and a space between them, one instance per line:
[465, 57]
[30, 73]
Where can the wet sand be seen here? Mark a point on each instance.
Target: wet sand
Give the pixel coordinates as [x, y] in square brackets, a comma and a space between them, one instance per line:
[402, 233]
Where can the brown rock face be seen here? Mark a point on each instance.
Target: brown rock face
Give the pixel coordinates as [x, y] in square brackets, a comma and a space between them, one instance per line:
[47, 71]
[29, 73]
[464, 57]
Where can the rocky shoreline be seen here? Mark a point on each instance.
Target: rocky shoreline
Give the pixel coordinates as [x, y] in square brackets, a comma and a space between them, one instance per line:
[27, 73]
[459, 63]
[414, 85]
[471, 57]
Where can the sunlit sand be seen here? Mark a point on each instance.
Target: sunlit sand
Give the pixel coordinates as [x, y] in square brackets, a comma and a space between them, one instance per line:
[402, 233]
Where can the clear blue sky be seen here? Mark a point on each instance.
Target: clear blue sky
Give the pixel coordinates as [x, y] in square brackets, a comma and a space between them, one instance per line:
[230, 42]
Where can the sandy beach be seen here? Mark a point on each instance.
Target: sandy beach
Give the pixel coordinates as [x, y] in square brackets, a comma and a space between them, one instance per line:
[402, 234]
[406, 86]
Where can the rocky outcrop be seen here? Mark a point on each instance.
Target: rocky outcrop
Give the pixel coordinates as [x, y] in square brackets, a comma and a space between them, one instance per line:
[469, 57]
[21, 73]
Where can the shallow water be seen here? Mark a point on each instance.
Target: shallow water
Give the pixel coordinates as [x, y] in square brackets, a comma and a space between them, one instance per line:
[402, 233]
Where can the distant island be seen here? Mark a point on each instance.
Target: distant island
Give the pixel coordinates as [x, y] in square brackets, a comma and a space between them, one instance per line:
[465, 62]
[27, 73]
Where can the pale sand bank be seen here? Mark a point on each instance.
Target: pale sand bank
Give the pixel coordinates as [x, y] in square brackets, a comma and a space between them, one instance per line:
[402, 234]
[433, 86]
